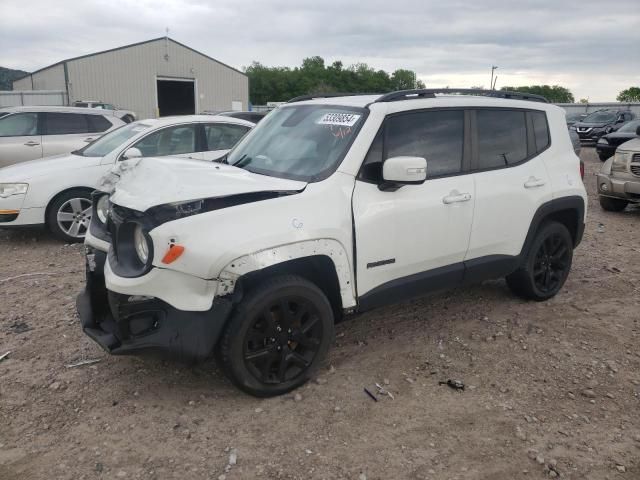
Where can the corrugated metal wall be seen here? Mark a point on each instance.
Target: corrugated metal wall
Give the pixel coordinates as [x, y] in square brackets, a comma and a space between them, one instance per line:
[35, 97]
[51, 78]
[127, 77]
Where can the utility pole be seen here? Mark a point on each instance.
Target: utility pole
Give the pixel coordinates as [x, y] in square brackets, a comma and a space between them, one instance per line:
[493, 68]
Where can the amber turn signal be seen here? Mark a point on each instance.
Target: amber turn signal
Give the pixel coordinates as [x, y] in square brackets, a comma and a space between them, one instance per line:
[173, 254]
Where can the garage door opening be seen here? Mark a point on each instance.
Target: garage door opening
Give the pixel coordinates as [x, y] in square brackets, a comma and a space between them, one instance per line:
[176, 97]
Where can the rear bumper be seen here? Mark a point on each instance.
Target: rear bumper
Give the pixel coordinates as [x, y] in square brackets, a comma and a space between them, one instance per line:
[129, 324]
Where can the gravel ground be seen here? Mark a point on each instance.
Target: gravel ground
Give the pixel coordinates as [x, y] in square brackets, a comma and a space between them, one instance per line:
[552, 389]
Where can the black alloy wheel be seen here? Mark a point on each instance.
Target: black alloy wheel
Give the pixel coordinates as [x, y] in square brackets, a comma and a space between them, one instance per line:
[546, 264]
[283, 340]
[551, 263]
[277, 337]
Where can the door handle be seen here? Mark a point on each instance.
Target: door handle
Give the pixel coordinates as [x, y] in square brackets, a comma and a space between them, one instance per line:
[455, 197]
[31, 143]
[534, 182]
[89, 139]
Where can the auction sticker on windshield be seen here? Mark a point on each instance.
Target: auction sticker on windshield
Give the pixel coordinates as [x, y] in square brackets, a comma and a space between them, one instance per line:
[339, 119]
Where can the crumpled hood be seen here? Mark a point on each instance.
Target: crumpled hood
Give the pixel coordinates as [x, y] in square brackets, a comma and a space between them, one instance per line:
[149, 182]
[25, 171]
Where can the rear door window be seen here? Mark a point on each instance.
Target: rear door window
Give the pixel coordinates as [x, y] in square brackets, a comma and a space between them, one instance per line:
[222, 136]
[57, 123]
[502, 138]
[19, 125]
[169, 141]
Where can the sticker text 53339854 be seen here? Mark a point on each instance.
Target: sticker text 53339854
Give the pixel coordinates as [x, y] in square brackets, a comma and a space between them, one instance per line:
[339, 119]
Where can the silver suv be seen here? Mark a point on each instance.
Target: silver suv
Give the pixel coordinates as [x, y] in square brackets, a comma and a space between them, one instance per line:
[619, 178]
[28, 133]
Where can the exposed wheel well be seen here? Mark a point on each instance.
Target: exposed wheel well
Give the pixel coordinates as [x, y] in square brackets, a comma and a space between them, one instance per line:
[57, 195]
[318, 269]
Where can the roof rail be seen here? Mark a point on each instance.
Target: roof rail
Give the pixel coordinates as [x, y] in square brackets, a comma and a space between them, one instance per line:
[302, 98]
[431, 93]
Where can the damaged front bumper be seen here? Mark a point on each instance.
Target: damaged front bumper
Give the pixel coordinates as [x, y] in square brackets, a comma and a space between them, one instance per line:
[126, 324]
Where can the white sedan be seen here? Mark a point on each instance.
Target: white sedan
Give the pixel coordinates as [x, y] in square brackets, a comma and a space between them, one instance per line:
[56, 191]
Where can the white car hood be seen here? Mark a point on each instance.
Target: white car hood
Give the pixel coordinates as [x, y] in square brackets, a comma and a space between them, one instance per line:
[149, 182]
[25, 171]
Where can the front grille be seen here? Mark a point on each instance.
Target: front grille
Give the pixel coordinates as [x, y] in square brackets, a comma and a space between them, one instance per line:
[635, 169]
[636, 157]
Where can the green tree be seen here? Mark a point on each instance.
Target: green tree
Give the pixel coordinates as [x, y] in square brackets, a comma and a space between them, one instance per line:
[631, 94]
[555, 93]
[313, 76]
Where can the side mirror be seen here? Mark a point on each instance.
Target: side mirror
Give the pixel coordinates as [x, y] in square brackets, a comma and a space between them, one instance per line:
[132, 152]
[400, 171]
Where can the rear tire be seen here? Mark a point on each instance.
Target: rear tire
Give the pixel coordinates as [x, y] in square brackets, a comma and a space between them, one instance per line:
[546, 266]
[69, 215]
[613, 204]
[277, 337]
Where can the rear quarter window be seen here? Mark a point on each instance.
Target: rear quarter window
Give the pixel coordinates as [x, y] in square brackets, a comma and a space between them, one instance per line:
[540, 130]
[97, 123]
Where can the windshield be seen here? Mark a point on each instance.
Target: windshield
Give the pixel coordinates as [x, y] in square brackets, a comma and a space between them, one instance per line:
[631, 126]
[600, 117]
[112, 140]
[305, 142]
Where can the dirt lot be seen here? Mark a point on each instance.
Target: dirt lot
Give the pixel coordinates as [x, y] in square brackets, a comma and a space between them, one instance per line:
[551, 389]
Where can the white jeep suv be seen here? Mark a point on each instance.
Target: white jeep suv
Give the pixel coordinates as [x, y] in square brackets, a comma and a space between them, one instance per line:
[331, 206]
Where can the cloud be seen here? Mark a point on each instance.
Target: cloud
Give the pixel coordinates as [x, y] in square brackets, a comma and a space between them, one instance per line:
[590, 49]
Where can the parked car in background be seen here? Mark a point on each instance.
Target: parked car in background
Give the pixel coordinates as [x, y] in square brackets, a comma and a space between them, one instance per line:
[254, 117]
[127, 116]
[600, 123]
[28, 133]
[619, 177]
[56, 191]
[575, 141]
[572, 118]
[607, 144]
[331, 206]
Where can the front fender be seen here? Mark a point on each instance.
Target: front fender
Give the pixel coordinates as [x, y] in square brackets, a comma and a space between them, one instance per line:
[283, 253]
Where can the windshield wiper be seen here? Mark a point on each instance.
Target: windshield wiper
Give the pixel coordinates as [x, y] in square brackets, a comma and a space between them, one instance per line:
[244, 161]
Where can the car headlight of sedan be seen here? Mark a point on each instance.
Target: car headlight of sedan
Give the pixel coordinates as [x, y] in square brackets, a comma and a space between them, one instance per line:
[141, 244]
[102, 208]
[8, 189]
[620, 161]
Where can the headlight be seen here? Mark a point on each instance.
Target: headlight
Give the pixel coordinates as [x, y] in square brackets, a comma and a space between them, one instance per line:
[141, 244]
[102, 208]
[620, 161]
[8, 189]
[603, 141]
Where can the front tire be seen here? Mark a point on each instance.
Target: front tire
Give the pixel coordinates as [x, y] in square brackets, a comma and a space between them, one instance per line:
[69, 215]
[277, 337]
[613, 204]
[546, 266]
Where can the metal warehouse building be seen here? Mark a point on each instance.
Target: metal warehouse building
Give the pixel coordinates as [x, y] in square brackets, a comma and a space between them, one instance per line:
[158, 77]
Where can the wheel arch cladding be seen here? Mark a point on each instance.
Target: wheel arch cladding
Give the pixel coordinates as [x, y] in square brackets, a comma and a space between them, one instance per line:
[568, 210]
[324, 262]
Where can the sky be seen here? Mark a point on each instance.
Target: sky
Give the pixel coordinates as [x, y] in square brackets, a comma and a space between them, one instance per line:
[590, 47]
